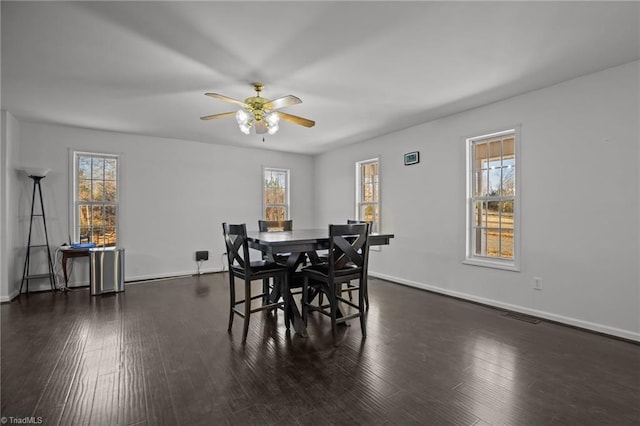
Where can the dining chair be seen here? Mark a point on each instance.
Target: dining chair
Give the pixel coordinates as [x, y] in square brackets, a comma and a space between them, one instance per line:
[276, 226]
[365, 287]
[295, 280]
[347, 262]
[241, 267]
[351, 288]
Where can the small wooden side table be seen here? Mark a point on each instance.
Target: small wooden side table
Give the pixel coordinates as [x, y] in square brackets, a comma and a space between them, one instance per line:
[70, 253]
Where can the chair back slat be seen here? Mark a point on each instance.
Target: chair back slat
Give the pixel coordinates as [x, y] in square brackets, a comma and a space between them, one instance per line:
[348, 244]
[235, 237]
[275, 225]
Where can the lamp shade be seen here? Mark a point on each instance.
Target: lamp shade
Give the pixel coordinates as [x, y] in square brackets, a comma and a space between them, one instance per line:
[35, 171]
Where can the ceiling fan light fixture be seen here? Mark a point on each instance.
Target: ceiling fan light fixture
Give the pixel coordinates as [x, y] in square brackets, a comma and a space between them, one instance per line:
[245, 128]
[272, 129]
[260, 113]
[272, 118]
[242, 117]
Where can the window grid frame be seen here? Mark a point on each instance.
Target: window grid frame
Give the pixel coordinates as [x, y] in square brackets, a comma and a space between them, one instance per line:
[475, 195]
[360, 190]
[78, 204]
[287, 204]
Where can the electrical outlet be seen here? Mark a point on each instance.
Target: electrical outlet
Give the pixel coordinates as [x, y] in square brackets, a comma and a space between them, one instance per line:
[202, 255]
[537, 283]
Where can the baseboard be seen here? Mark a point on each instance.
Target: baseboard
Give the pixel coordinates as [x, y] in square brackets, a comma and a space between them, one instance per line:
[10, 297]
[573, 322]
[136, 278]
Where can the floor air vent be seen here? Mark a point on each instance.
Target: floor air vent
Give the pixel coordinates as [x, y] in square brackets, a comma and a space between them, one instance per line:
[521, 317]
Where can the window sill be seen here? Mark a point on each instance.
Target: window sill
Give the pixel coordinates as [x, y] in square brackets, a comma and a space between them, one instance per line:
[507, 266]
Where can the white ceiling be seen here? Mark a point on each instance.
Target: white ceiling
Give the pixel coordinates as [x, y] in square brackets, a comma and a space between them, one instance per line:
[362, 69]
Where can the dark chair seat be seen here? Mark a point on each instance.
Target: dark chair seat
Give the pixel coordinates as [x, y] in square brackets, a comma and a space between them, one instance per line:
[259, 266]
[322, 269]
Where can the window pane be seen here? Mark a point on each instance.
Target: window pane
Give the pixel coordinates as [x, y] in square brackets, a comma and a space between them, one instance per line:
[480, 214]
[480, 236]
[506, 240]
[110, 169]
[84, 190]
[508, 148]
[493, 242]
[480, 155]
[110, 236]
[97, 214]
[508, 180]
[97, 168]
[84, 234]
[110, 216]
[97, 236]
[84, 167]
[84, 216]
[495, 150]
[494, 181]
[506, 216]
[110, 191]
[493, 215]
[97, 190]
[275, 213]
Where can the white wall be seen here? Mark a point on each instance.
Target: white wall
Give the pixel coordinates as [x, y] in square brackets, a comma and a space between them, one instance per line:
[174, 195]
[579, 198]
[9, 183]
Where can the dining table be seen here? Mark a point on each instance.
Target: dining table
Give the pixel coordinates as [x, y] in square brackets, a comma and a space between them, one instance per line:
[299, 245]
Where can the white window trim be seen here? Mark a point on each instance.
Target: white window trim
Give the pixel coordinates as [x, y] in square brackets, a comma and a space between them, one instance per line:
[73, 202]
[358, 192]
[470, 257]
[286, 206]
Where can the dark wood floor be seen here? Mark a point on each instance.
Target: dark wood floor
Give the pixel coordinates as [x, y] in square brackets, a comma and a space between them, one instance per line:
[160, 354]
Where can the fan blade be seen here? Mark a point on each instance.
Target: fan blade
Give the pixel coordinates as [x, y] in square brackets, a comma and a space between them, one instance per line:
[261, 127]
[297, 120]
[282, 102]
[227, 99]
[223, 115]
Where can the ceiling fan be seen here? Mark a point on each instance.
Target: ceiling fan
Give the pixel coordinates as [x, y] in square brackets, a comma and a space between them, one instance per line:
[260, 112]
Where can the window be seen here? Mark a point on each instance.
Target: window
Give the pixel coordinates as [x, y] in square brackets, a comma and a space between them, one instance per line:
[95, 196]
[492, 193]
[368, 192]
[276, 194]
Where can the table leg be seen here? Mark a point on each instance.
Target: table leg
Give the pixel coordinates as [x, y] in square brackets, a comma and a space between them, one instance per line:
[295, 316]
[64, 270]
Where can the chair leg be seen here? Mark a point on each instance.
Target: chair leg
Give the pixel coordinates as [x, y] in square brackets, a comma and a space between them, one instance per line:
[305, 300]
[286, 296]
[265, 291]
[333, 303]
[232, 301]
[364, 287]
[361, 308]
[247, 309]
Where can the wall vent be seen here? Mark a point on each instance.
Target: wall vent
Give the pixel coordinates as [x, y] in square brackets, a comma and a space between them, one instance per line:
[521, 317]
